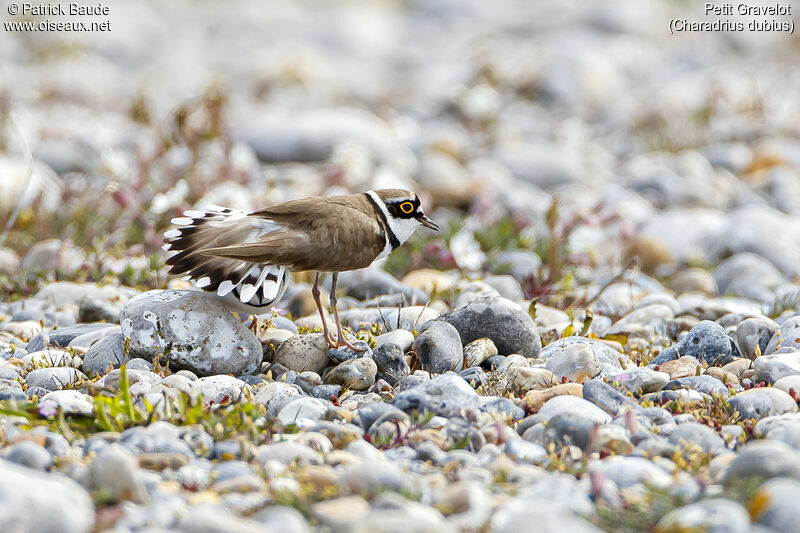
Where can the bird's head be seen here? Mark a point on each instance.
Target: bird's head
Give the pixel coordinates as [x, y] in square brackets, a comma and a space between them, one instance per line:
[403, 212]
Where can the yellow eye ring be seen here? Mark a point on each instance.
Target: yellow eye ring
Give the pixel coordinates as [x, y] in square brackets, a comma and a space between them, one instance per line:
[407, 208]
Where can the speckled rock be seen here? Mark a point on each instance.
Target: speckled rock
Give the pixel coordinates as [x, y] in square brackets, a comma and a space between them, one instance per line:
[356, 374]
[192, 330]
[706, 341]
[444, 395]
[304, 352]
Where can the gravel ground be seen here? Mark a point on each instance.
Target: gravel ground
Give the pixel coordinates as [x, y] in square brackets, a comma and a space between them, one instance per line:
[604, 337]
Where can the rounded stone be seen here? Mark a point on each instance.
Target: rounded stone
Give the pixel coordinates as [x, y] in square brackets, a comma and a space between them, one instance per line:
[192, 330]
[107, 352]
[303, 353]
[510, 328]
[438, 347]
[356, 374]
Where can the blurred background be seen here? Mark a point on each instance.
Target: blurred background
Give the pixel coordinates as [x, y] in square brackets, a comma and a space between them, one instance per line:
[579, 135]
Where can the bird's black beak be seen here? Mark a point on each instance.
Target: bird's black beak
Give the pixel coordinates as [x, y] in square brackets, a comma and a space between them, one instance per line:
[428, 223]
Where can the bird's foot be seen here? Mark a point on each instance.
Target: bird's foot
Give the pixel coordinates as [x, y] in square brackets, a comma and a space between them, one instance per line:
[342, 341]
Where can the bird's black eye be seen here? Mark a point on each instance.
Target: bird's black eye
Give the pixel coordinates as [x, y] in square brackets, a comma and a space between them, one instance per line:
[407, 208]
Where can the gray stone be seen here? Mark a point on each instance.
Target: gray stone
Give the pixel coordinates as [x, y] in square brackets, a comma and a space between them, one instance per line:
[444, 395]
[510, 328]
[744, 270]
[700, 435]
[506, 286]
[627, 472]
[192, 330]
[606, 397]
[780, 511]
[392, 366]
[356, 374]
[755, 332]
[608, 361]
[371, 477]
[283, 518]
[287, 452]
[28, 453]
[575, 363]
[520, 514]
[401, 338]
[573, 404]
[301, 410]
[706, 341]
[502, 407]
[217, 389]
[115, 472]
[92, 308]
[369, 282]
[35, 501]
[568, 428]
[274, 395]
[438, 347]
[108, 351]
[761, 402]
[61, 337]
[524, 452]
[703, 384]
[710, 516]
[524, 265]
[777, 365]
[71, 401]
[303, 353]
[788, 336]
[763, 459]
[54, 378]
[641, 380]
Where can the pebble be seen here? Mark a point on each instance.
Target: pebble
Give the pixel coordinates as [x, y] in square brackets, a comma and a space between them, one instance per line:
[606, 397]
[762, 459]
[755, 333]
[116, 471]
[716, 515]
[478, 351]
[706, 341]
[574, 405]
[106, 352]
[779, 510]
[202, 334]
[499, 319]
[60, 503]
[758, 403]
[444, 395]
[54, 378]
[392, 366]
[304, 353]
[438, 347]
[355, 374]
[681, 368]
[771, 368]
[642, 380]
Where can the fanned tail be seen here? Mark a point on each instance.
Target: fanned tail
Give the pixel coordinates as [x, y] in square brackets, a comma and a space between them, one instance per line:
[250, 285]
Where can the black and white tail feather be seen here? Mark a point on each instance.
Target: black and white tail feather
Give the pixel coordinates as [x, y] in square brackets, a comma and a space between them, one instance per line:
[247, 287]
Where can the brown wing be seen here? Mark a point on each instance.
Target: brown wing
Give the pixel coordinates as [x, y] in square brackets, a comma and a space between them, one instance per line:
[329, 234]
